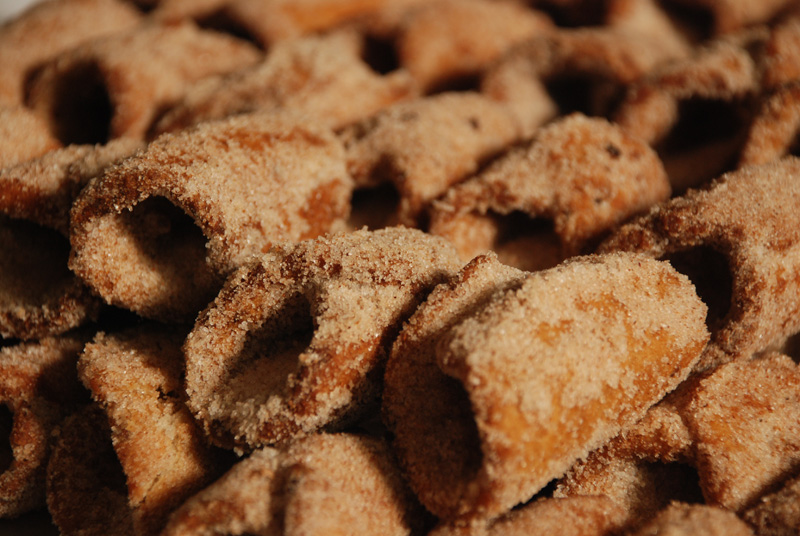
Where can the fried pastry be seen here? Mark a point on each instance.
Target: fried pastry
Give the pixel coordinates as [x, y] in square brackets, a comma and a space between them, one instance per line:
[694, 111]
[115, 86]
[316, 75]
[773, 132]
[680, 519]
[583, 174]
[297, 341]
[737, 242]
[135, 377]
[23, 136]
[535, 404]
[38, 388]
[777, 513]
[49, 29]
[728, 16]
[421, 147]
[139, 231]
[575, 516]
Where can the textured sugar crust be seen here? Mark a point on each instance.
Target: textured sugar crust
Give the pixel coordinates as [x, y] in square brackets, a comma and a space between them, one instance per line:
[86, 491]
[24, 134]
[690, 519]
[584, 174]
[576, 516]
[315, 75]
[135, 377]
[424, 146]
[322, 484]
[749, 218]
[138, 72]
[297, 341]
[58, 27]
[39, 296]
[247, 183]
[39, 386]
[777, 513]
[428, 412]
[537, 403]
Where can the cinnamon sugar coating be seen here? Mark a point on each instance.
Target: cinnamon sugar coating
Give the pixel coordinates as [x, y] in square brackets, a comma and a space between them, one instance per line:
[689, 519]
[135, 377]
[575, 516]
[86, 490]
[319, 485]
[316, 75]
[115, 86]
[773, 132]
[728, 16]
[694, 110]
[139, 231]
[446, 41]
[42, 190]
[38, 387]
[297, 341]
[51, 28]
[39, 296]
[777, 513]
[24, 136]
[536, 404]
[737, 239]
[583, 174]
[425, 145]
[745, 420]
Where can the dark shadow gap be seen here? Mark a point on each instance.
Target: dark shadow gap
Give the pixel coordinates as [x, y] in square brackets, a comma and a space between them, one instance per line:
[380, 54]
[82, 111]
[6, 425]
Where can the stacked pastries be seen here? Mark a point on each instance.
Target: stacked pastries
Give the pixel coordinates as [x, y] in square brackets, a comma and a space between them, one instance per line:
[400, 267]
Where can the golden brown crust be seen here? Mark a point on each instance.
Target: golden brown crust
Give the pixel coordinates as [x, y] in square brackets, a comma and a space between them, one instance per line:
[323, 311]
[247, 183]
[135, 377]
[50, 28]
[38, 387]
[745, 223]
[584, 174]
[24, 136]
[774, 129]
[115, 86]
[535, 414]
[423, 146]
[316, 75]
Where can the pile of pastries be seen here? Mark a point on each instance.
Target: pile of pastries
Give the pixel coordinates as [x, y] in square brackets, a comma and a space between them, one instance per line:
[401, 267]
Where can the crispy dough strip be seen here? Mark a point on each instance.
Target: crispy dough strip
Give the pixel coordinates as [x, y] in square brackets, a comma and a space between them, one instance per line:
[248, 499]
[42, 190]
[86, 492]
[135, 377]
[774, 129]
[317, 75]
[748, 218]
[425, 410]
[778, 513]
[584, 174]
[445, 41]
[536, 403]
[780, 59]
[346, 484]
[116, 86]
[39, 387]
[39, 296]
[259, 372]
[731, 15]
[721, 72]
[247, 183]
[745, 421]
[425, 145]
[679, 519]
[23, 136]
[50, 28]
[575, 516]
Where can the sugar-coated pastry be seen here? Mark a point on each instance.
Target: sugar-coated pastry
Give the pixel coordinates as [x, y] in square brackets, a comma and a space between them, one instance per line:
[23, 136]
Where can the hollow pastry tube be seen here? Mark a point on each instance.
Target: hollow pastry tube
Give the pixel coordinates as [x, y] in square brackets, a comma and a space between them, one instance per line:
[139, 231]
[738, 241]
[297, 340]
[545, 372]
[117, 85]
